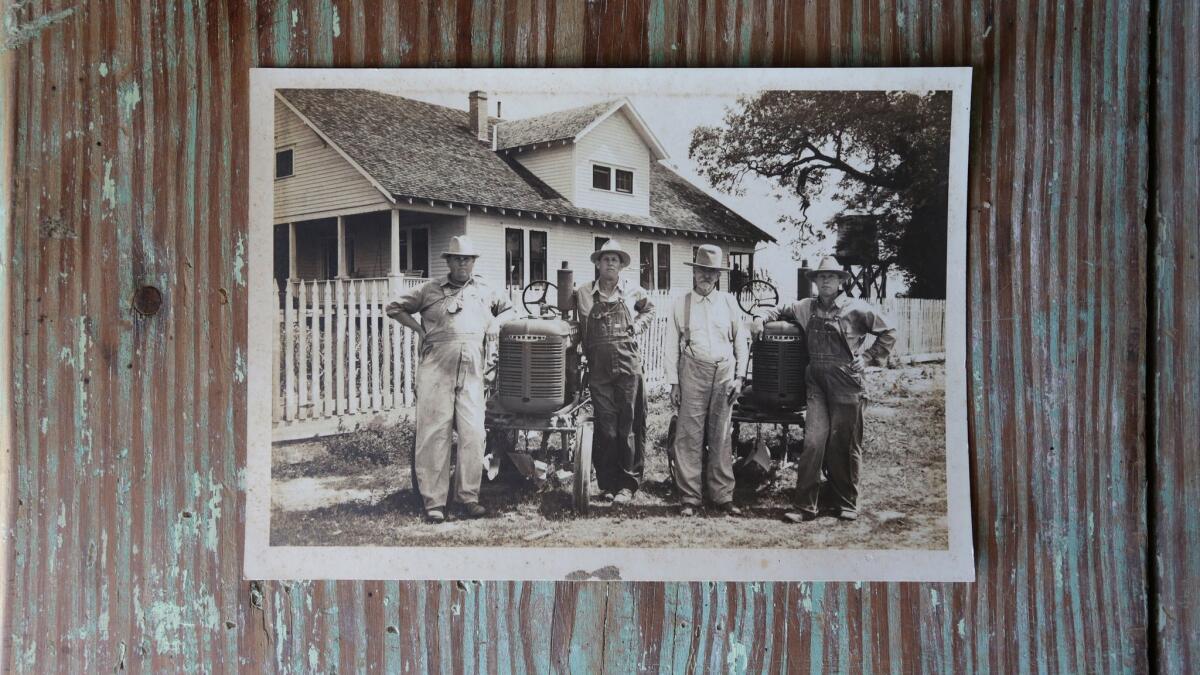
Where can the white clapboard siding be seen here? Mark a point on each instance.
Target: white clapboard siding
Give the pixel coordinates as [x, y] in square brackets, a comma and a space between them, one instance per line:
[322, 180]
[614, 142]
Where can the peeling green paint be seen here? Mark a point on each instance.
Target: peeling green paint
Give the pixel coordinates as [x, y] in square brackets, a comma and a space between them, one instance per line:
[172, 623]
[103, 68]
[337, 21]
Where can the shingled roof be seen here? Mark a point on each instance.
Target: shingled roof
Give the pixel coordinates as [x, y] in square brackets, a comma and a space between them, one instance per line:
[555, 126]
[427, 152]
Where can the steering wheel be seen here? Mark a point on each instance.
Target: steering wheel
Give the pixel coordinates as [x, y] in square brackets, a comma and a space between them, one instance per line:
[535, 293]
[757, 293]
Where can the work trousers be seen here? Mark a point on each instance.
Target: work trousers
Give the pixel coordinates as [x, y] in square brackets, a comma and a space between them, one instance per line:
[832, 439]
[705, 411]
[618, 451]
[449, 398]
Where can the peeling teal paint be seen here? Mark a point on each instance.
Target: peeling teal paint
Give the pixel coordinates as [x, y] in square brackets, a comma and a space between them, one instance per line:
[737, 658]
[295, 17]
[239, 261]
[103, 68]
[337, 21]
[172, 624]
[129, 94]
[109, 190]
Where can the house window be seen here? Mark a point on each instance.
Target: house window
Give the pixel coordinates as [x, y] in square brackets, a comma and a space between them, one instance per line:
[664, 267]
[538, 257]
[283, 163]
[624, 181]
[419, 251]
[329, 258]
[514, 257]
[601, 177]
[526, 256]
[610, 179]
[654, 266]
[646, 265]
[742, 271]
[600, 242]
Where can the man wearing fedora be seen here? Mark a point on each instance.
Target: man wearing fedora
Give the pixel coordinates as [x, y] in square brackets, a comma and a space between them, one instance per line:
[706, 353]
[455, 312]
[835, 328]
[611, 313]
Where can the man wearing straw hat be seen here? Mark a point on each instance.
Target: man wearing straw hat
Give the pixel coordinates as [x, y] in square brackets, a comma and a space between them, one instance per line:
[835, 328]
[456, 312]
[611, 313]
[706, 352]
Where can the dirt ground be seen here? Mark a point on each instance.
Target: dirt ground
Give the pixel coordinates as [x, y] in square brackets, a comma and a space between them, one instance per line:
[320, 498]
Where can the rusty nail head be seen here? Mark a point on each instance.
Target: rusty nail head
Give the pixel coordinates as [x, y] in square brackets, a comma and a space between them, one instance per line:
[147, 300]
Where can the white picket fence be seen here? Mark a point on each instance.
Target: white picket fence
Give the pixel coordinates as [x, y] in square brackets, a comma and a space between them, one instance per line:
[339, 356]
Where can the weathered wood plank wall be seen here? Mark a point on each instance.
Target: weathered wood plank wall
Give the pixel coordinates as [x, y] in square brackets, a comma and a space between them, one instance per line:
[1174, 432]
[130, 167]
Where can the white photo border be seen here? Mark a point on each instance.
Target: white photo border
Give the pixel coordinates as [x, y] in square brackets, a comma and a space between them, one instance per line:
[263, 561]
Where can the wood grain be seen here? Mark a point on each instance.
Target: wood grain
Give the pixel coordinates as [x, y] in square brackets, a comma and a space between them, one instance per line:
[127, 503]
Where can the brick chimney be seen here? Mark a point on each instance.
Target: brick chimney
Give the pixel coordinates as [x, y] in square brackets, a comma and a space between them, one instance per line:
[479, 115]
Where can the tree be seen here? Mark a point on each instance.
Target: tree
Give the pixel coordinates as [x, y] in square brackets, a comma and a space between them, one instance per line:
[885, 154]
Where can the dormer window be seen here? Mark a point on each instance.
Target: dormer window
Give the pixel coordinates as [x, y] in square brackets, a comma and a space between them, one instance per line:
[612, 179]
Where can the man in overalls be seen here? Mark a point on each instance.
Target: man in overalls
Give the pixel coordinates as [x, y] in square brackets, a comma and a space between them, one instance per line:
[835, 327]
[611, 313]
[456, 312]
[706, 352]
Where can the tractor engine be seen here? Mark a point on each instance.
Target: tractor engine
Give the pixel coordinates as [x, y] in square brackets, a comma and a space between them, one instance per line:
[780, 356]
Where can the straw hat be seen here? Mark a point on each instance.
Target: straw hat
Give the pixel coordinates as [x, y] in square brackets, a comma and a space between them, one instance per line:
[461, 245]
[708, 255]
[828, 264]
[611, 246]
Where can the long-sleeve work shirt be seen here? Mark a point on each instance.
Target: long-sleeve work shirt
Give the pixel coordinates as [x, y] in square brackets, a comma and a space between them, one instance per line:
[717, 333]
[856, 318]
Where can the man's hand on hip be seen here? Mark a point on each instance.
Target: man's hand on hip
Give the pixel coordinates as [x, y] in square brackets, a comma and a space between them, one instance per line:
[675, 395]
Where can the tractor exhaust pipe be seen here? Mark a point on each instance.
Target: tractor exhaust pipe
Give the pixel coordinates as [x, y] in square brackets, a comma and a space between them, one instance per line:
[566, 288]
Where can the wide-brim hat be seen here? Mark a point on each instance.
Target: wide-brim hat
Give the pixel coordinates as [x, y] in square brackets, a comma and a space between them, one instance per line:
[708, 255]
[827, 264]
[611, 246]
[461, 245]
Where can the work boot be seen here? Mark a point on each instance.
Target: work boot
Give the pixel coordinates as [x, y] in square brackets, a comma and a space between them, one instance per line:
[624, 496]
[800, 516]
[687, 510]
[435, 516]
[473, 510]
[729, 509]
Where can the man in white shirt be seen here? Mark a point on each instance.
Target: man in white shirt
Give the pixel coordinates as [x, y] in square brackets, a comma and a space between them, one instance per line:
[706, 355]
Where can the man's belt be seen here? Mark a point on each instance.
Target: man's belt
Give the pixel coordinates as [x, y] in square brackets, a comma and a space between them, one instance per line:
[448, 338]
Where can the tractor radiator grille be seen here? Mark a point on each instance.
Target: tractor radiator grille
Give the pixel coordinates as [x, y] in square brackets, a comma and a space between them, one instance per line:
[533, 371]
[779, 372]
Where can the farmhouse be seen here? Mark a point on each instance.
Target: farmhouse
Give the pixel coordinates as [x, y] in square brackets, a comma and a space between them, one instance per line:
[372, 186]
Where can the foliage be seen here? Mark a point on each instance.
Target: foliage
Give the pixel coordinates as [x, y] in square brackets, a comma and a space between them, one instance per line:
[885, 153]
[373, 445]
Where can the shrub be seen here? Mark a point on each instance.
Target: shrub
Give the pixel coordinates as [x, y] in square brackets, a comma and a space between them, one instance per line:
[374, 445]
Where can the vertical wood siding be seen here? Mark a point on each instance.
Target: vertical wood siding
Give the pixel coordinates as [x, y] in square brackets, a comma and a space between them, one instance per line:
[127, 504]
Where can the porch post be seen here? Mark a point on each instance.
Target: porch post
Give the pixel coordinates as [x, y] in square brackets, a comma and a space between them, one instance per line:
[341, 248]
[394, 269]
[292, 251]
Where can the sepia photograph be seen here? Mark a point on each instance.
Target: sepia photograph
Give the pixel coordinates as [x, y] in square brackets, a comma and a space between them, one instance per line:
[587, 324]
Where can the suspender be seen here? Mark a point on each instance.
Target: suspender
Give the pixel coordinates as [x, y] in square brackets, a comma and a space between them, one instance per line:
[687, 322]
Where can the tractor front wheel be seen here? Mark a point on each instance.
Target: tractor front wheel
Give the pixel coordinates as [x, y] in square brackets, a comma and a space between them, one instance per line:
[583, 467]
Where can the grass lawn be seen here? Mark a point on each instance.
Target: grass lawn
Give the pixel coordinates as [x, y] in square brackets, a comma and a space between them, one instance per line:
[355, 491]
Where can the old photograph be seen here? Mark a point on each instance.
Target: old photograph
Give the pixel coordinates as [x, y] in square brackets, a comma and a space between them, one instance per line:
[545, 324]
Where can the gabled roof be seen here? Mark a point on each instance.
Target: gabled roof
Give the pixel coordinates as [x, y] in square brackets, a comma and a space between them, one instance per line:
[571, 125]
[428, 153]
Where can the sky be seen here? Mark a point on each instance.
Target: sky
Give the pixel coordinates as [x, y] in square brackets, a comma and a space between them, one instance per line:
[672, 118]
